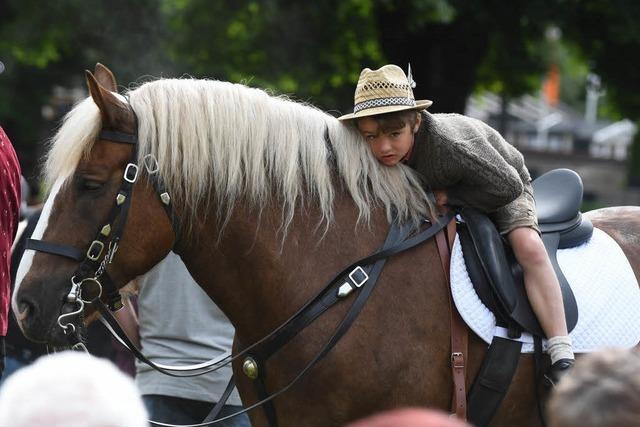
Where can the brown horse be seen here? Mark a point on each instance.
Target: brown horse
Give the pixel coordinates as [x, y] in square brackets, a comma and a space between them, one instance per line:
[272, 199]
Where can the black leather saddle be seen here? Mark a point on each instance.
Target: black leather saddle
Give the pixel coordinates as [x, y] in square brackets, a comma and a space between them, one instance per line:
[492, 267]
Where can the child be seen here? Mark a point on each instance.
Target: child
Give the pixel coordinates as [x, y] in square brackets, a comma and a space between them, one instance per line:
[466, 163]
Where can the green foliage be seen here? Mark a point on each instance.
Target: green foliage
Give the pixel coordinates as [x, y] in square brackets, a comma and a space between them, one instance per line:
[311, 49]
[608, 33]
[517, 53]
[315, 50]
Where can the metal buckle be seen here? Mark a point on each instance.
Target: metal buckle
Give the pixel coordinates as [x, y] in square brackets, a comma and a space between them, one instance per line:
[98, 246]
[358, 269]
[150, 164]
[457, 357]
[131, 169]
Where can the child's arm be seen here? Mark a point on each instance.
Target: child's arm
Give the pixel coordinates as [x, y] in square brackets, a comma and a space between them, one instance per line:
[488, 182]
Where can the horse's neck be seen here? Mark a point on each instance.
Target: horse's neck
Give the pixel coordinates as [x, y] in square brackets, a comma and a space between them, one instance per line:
[258, 279]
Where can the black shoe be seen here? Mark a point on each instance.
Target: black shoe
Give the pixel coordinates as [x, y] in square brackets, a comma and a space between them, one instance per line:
[557, 371]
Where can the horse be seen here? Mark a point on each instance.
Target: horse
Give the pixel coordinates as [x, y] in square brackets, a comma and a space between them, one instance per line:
[270, 198]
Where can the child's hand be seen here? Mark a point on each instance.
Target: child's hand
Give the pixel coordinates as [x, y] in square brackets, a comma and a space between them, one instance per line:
[441, 200]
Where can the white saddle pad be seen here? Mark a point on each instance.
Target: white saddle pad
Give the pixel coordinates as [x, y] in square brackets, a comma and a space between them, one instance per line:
[605, 288]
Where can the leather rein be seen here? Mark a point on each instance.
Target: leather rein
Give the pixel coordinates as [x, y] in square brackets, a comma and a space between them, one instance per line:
[359, 277]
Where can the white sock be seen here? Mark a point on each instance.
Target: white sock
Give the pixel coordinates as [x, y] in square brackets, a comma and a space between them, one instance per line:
[559, 347]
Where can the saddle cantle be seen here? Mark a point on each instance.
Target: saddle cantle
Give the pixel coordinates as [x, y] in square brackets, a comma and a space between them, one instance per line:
[498, 278]
[558, 195]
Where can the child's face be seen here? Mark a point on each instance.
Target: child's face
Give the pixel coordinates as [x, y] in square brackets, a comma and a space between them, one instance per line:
[388, 147]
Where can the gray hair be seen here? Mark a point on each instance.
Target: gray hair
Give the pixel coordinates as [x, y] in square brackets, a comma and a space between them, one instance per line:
[71, 389]
[602, 390]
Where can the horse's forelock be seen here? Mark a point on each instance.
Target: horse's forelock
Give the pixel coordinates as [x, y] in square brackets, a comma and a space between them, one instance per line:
[73, 140]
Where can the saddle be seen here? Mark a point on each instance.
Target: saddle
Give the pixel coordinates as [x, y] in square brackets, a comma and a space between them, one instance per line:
[498, 281]
[493, 269]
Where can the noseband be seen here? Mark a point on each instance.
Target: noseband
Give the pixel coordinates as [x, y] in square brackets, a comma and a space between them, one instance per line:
[91, 273]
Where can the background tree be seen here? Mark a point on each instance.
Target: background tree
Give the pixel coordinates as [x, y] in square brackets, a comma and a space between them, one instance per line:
[314, 50]
[47, 44]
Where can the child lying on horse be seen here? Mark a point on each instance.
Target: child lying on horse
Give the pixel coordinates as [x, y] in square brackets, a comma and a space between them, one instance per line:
[466, 163]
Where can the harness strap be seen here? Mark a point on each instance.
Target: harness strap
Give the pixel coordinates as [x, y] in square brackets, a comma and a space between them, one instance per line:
[319, 306]
[459, 331]
[352, 313]
[221, 401]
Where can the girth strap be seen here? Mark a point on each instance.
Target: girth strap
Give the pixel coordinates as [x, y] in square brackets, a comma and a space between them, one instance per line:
[493, 380]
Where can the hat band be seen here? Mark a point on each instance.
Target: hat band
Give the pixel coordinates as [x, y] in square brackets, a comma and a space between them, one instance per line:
[383, 102]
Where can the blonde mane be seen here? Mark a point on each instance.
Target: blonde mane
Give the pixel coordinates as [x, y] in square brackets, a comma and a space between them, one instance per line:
[232, 141]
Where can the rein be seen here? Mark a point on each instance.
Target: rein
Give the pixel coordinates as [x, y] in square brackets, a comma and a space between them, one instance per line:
[359, 276]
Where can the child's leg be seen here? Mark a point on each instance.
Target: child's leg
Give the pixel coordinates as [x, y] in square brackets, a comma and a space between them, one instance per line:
[542, 289]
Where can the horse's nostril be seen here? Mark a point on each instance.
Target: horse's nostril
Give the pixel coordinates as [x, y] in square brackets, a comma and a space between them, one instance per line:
[25, 308]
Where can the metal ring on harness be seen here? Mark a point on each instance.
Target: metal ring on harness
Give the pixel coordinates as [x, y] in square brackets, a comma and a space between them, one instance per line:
[92, 297]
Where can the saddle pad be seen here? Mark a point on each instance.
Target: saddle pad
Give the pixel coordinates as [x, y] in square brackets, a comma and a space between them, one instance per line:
[605, 288]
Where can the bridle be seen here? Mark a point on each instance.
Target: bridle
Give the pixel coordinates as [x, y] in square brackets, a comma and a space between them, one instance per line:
[91, 275]
[359, 278]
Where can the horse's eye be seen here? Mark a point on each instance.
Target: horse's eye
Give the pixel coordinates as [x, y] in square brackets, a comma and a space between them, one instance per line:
[90, 185]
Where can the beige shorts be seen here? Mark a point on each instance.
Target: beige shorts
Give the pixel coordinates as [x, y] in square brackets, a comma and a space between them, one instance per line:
[519, 213]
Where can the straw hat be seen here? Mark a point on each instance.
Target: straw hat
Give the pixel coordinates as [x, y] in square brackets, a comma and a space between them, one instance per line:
[384, 90]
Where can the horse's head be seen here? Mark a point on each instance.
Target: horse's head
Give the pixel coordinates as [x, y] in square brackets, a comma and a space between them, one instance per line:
[100, 203]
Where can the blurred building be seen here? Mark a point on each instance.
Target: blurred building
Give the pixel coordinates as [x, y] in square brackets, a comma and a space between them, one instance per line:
[553, 135]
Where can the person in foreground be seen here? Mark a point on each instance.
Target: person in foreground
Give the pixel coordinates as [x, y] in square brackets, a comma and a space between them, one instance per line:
[602, 391]
[71, 389]
[409, 417]
[466, 163]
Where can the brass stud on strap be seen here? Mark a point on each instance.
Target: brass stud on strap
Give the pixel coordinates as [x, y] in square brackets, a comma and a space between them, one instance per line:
[106, 230]
[250, 368]
[120, 198]
[344, 290]
[166, 199]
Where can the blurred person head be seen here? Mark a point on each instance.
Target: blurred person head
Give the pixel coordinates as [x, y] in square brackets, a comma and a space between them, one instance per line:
[409, 417]
[602, 390]
[71, 389]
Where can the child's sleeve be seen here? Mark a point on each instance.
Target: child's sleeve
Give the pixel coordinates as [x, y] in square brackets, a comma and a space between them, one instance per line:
[487, 181]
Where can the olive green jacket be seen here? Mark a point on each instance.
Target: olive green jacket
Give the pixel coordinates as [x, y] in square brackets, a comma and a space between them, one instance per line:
[468, 159]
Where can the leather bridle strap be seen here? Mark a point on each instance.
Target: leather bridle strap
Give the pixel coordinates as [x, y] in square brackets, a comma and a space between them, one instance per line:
[98, 255]
[111, 231]
[55, 249]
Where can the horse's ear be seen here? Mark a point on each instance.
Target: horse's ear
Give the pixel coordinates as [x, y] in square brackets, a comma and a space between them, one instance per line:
[105, 77]
[112, 109]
